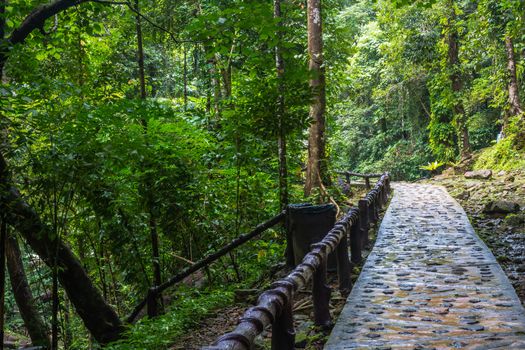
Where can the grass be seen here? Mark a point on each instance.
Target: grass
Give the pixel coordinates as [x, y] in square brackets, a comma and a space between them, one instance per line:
[162, 331]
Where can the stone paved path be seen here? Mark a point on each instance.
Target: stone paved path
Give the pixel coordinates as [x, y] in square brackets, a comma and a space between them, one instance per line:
[429, 283]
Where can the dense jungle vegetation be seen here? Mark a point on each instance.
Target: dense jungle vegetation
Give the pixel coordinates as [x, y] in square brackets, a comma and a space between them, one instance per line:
[138, 136]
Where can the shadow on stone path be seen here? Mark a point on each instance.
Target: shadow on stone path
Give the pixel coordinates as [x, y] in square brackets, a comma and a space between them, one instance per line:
[429, 283]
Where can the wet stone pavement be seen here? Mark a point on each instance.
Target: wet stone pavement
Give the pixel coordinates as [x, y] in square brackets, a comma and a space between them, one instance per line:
[429, 283]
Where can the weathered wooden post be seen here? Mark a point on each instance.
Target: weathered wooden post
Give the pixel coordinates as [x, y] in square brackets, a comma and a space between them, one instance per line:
[363, 220]
[367, 182]
[283, 332]
[383, 194]
[356, 243]
[320, 291]
[371, 210]
[152, 304]
[343, 263]
[376, 205]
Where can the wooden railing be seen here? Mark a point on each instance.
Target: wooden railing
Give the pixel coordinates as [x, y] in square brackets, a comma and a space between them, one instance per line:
[154, 293]
[349, 174]
[274, 306]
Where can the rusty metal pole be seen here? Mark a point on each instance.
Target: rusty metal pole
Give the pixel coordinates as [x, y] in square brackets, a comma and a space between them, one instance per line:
[343, 265]
[320, 291]
[363, 221]
[356, 243]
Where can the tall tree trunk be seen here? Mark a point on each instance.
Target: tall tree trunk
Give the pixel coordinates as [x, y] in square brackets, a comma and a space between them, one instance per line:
[316, 168]
[215, 90]
[457, 83]
[514, 96]
[185, 80]
[99, 318]
[24, 298]
[155, 256]
[140, 53]
[281, 137]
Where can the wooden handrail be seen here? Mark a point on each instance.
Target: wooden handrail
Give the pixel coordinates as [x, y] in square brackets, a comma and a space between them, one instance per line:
[154, 292]
[350, 173]
[274, 306]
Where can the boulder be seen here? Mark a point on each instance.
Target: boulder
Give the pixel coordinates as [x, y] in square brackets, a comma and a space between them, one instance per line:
[501, 207]
[502, 173]
[479, 174]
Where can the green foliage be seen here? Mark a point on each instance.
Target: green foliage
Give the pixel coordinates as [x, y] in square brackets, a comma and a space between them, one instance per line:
[432, 166]
[160, 332]
[504, 154]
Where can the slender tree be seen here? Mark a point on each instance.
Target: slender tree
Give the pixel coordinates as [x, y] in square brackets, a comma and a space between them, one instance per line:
[155, 258]
[456, 81]
[281, 138]
[22, 292]
[316, 169]
[513, 87]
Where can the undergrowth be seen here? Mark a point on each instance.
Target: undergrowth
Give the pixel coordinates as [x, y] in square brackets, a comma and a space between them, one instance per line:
[162, 331]
[501, 156]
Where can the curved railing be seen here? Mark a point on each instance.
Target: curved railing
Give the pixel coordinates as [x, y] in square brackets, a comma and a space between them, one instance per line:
[274, 306]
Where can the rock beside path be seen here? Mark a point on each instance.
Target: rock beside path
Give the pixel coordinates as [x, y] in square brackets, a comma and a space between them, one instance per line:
[501, 207]
[479, 174]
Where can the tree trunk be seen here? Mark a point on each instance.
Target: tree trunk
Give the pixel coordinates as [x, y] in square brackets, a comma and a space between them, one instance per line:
[316, 168]
[216, 89]
[514, 96]
[140, 53]
[24, 298]
[185, 80]
[281, 137]
[152, 222]
[99, 318]
[457, 84]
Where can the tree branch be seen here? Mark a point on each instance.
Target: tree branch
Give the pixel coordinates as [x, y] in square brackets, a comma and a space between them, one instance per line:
[37, 18]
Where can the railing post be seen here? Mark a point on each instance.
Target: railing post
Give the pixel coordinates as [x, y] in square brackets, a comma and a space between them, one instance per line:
[363, 220]
[367, 182]
[371, 212]
[320, 291]
[377, 206]
[356, 243]
[283, 333]
[383, 194]
[152, 304]
[343, 264]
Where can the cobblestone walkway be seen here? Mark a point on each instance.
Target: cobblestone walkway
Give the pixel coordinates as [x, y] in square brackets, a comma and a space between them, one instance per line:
[429, 283]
